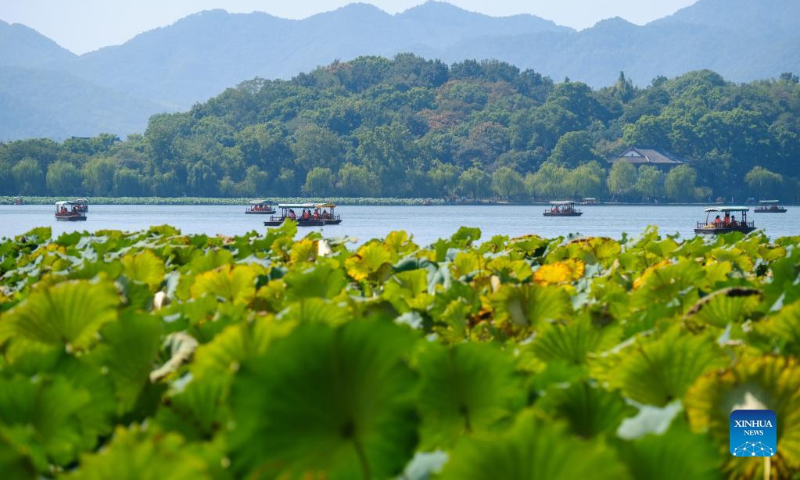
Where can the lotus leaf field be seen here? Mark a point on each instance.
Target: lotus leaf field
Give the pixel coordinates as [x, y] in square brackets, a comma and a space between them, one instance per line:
[157, 355]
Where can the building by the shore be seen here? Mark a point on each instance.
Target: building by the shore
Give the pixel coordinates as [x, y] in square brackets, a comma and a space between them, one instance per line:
[647, 156]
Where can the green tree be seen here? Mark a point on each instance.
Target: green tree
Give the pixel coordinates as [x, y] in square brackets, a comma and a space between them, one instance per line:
[319, 182]
[98, 176]
[28, 177]
[475, 182]
[621, 179]
[588, 180]
[357, 181]
[762, 183]
[507, 183]
[64, 178]
[680, 184]
[573, 149]
[650, 182]
[550, 182]
[316, 146]
[128, 183]
[444, 178]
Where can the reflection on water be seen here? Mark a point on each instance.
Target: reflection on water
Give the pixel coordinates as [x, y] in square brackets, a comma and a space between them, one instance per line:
[425, 223]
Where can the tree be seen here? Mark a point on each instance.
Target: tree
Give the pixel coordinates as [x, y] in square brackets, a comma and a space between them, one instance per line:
[621, 179]
[98, 176]
[762, 183]
[550, 182]
[319, 182]
[444, 178]
[650, 183]
[357, 181]
[28, 177]
[587, 180]
[573, 149]
[127, 183]
[507, 182]
[475, 182]
[316, 146]
[63, 178]
[681, 184]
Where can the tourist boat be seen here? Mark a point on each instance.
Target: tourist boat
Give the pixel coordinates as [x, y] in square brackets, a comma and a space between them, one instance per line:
[324, 215]
[260, 207]
[82, 205]
[590, 201]
[68, 212]
[769, 206]
[726, 223]
[18, 201]
[562, 209]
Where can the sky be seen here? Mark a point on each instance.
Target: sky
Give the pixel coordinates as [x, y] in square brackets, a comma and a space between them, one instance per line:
[86, 25]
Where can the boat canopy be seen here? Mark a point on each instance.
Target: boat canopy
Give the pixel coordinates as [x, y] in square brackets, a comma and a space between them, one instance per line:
[728, 209]
[296, 205]
[769, 202]
[259, 202]
[81, 200]
[563, 202]
[65, 203]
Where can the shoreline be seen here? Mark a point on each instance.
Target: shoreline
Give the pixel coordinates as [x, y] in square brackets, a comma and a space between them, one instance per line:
[341, 201]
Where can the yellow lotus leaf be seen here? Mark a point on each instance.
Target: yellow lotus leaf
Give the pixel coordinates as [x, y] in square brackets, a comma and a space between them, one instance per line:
[642, 279]
[234, 284]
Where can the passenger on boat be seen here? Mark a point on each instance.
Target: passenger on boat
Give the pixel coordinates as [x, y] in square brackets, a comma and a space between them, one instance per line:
[316, 214]
[727, 220]
[63, 210]
[556, 209]
[292, 215]
[733, 221]
[717, 221]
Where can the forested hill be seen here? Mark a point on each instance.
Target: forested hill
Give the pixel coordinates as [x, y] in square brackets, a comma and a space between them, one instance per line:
[414, 127]
[171, 68]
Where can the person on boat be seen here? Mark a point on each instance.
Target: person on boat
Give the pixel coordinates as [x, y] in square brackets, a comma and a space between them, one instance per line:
[556, 209]
[733, 221]
[717, 221]
[316, 214]
[727, 220]
[292, 215]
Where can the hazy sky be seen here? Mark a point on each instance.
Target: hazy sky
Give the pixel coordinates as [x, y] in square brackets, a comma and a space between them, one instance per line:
[85, 25]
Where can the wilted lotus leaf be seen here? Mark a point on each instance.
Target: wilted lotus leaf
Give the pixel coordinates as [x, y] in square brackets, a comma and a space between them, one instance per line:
[144, 267]
[69, 313]
[232, 283]
[532, 450]
[660, 369]
[465, 389]
[754, 383]
[136, 454]
[332, 402]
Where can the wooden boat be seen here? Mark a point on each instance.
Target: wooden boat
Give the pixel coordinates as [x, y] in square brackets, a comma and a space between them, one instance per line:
[562, 209]
[260, 207]
[769, 206]
[82, 205]
[68, 212]
[726, 223]
[319, 215]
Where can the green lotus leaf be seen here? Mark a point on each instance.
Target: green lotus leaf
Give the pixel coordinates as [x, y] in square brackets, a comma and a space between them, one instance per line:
[589, 409]
[322, 280]
[373, 261]
[197, 411]
[316, 310]
[134, 454]
[69, 313]
[658, 370]
[408, 290]
[14, 460]
[784, 326]
[144, 267]
[572, 341]
[466, 263]
[726, 306]
[754, 383]
[232, 284]
[465, 236]
[532, 449]
[128, 353]
[529, 305]
[336, 402]
[465, 389]
[678, 453]
[210, 260]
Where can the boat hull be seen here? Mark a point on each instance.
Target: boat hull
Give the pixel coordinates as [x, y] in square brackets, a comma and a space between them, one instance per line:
[71, 218]
[300, 223]
[273, 223]
[265, 212]
[333, 222]
[719, 231]
[569, 214]
[777, 210]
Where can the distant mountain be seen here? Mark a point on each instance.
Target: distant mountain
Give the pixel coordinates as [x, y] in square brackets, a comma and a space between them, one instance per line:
[44, 103]
[197, 57]
[21, 46]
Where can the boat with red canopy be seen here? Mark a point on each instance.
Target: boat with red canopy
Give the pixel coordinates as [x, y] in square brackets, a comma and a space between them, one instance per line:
[69, 212]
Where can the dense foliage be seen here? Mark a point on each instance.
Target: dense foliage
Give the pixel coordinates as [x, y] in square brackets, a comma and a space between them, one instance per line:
[161, 355]
[414, 128]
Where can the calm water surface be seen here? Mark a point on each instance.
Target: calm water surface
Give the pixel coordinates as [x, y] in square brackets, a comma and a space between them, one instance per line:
[426, 223]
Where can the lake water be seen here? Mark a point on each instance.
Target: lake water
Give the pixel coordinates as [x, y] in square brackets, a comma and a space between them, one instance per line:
[426, 223]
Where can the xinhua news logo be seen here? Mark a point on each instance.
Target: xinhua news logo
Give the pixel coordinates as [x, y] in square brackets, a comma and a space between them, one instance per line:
[753, 433]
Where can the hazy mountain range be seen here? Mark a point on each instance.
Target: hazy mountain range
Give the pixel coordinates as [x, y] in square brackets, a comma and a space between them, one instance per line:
[45, 90]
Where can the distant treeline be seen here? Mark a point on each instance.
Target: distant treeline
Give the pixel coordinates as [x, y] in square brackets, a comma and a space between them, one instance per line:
[410, 127]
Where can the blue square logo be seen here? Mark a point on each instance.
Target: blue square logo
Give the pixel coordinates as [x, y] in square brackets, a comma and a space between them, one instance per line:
[753, 433]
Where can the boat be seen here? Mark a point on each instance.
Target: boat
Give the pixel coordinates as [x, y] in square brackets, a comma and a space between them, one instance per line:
[18, 201]
[590, 201]
[769, 206]
[727, 223]
[82, 205]
[68, 212]
[320, 214]
[260, 207]
[562, 209]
